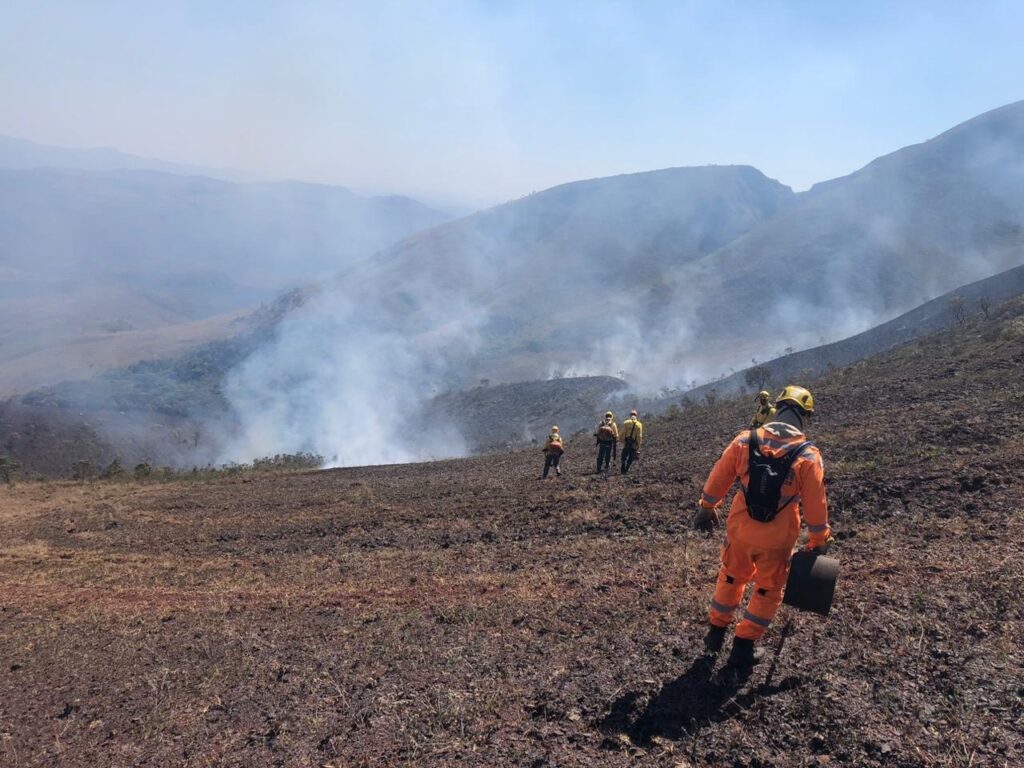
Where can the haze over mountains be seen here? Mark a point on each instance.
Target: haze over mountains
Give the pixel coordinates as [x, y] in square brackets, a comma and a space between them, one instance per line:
[907, 227]
[95, 252]
[657, 274]
[18, 153]
[666, 279]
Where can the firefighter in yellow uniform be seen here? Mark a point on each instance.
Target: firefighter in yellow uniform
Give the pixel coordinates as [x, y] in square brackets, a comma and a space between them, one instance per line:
[553, 450]
[632, 435]
[607, 436]
[765, 409]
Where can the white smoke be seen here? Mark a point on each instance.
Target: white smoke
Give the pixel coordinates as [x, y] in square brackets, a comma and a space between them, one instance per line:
[336, 381]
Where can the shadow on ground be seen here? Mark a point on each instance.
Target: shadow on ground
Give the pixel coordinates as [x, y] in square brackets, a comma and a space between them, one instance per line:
[697, 698]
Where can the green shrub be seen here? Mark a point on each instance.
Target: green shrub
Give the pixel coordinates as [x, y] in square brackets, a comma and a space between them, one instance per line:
[113, 471]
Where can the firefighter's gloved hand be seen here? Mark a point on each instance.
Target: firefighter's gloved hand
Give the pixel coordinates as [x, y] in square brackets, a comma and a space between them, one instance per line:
[706, 519]
[821, 549]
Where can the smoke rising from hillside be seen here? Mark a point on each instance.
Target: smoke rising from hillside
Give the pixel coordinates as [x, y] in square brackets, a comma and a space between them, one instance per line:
[669, 280]
[338, 381]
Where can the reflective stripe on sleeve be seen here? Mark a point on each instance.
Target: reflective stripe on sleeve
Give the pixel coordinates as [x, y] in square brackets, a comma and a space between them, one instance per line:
[710, 500]
[817, 528]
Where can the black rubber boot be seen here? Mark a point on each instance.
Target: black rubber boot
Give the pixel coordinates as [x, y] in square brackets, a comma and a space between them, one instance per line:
[714, 639]
[744, 654]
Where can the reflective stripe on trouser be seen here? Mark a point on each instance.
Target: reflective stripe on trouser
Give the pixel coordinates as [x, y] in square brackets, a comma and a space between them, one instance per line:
[741, 563]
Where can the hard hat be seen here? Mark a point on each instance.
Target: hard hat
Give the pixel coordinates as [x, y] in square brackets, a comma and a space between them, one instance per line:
[764, 393]
[633, 412]
[609, 415]
[554, 429]
[797, 396]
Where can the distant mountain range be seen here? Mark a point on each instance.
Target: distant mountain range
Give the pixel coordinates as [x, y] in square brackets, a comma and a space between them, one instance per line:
[686, 270]
[23, 154]
[95, 255]
[666, 278]
[203, 245]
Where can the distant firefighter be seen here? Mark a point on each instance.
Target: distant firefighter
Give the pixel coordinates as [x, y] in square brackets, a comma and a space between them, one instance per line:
[607, 436]
[553, 450]
[765, 409]
[779, 472]
[632, 437]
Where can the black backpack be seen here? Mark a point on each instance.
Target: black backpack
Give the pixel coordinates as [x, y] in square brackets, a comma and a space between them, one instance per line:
[767, 476]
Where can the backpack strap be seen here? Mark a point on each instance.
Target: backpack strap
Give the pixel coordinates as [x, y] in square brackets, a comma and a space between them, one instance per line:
[793, 455]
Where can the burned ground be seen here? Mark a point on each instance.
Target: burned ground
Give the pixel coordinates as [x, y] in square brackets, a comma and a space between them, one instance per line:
[466, 613]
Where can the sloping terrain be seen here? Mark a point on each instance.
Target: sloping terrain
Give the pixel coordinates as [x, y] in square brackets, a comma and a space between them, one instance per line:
[205, 245]
[119, 251]
[49, 442]
[664, 271]
[22, 154]
[550, 271]
[949, 310]
[907, 227]
[466, 613]
[661, 279]
[168, 411]
[509, 415]
[68, 352]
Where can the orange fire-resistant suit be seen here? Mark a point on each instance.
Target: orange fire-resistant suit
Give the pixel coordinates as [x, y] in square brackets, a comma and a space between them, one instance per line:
[762, 551]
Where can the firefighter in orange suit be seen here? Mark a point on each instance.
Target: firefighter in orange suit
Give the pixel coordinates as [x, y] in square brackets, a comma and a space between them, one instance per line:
[764, 521]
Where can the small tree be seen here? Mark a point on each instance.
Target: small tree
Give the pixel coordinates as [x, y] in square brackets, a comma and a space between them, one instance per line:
[7, 470]
[958, 309]
[985, 305]
[757, 377]
[83, 470]
[113, 471]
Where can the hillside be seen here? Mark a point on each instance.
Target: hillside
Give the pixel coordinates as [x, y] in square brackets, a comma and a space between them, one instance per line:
[18, 153]
[509, 415]
[655, 273]
[906, 228]
[204, 245]
[466, 613]
[662, 279]
[91, 259]
[549, 273]
[92, 328]
[947, 311]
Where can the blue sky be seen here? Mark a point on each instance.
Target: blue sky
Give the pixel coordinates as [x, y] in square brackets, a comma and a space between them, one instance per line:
[485, 101]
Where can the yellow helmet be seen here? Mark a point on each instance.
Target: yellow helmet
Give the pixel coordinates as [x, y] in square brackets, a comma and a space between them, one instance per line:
[797, 396]
[609, 415]
[554, 429]
[764, 393]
